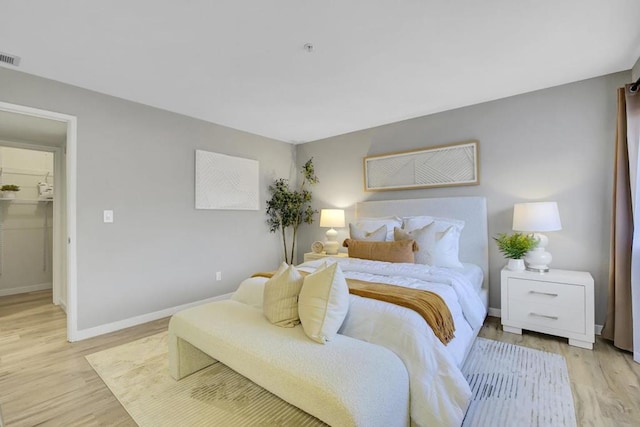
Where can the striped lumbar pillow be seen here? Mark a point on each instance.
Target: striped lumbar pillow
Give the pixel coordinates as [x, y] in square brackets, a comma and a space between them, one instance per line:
[280, 296]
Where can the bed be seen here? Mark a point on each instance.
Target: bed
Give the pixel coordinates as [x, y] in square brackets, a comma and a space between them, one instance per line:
[438, 391]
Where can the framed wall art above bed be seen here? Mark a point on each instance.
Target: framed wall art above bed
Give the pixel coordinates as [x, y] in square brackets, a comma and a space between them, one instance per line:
[439, 166]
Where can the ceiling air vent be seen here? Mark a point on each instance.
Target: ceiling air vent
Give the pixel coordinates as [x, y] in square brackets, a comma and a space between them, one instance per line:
[7, 58]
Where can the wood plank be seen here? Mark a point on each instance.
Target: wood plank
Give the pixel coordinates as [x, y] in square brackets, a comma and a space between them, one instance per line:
[45, 380]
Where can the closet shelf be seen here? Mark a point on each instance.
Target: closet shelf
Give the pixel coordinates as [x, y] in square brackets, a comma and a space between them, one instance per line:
[2, 199]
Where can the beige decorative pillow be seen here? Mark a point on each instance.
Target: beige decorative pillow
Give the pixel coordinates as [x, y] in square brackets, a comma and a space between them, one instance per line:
[400, 251]
[280, 298]
[422, 237]
[323, 303]
[371, 224]
[377, 235]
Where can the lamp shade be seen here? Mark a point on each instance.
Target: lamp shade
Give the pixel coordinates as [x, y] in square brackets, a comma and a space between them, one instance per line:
[538, 216]
[332, 218]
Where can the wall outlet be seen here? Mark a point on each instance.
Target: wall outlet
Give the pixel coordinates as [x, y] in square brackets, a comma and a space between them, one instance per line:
[219, 275]
[107, 216]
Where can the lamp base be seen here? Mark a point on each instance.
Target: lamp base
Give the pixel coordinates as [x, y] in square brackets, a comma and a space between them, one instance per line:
[538, 270]
[331, 247]
[538, 260]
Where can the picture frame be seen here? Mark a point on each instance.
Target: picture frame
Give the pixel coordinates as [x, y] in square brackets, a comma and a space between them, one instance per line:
[437, 166]
[226, 182]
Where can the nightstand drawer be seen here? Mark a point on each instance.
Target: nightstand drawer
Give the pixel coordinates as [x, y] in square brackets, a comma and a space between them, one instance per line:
[548, 293]
[568, 318]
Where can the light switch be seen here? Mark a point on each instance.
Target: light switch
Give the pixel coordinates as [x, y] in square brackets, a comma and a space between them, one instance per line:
[107, 216]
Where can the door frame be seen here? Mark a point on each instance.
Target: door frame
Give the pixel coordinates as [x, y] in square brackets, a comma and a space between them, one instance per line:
[61, 241]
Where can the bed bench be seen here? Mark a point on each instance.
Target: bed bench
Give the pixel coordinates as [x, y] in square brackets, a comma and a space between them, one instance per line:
[346, 382]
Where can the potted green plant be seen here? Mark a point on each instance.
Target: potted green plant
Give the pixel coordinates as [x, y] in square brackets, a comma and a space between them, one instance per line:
[288, 207]
[514, 247]
[9, 191]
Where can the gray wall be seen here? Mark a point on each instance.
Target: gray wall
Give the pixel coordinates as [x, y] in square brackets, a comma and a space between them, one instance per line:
[635, 72]
[553, 144]
[139, 161]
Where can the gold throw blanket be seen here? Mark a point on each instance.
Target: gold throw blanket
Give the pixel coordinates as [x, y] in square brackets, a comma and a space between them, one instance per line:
[427, 304]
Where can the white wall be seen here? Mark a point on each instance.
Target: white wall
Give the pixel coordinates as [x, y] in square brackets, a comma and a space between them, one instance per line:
[553, 144]
[26, 239]
[635, 72]
[139, 161]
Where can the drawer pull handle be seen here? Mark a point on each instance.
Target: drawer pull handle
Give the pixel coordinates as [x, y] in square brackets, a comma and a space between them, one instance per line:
[544, 293]
[544, 315]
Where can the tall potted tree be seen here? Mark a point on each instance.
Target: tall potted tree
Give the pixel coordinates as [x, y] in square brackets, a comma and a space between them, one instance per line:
[288, 207]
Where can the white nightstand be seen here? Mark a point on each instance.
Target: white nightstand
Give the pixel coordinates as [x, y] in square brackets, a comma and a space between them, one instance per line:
[310, 256]
[559, 303]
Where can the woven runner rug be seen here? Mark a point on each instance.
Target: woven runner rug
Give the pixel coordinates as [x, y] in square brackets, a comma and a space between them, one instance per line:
[512, 386]
[517, 386]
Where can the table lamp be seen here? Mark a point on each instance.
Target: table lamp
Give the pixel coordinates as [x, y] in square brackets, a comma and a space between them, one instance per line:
[537, 217]
[331, 218]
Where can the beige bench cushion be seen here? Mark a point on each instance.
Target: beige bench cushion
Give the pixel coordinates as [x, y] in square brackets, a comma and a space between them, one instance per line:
[346, 382]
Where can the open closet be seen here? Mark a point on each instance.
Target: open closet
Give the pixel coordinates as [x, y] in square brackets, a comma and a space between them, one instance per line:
[26, 220]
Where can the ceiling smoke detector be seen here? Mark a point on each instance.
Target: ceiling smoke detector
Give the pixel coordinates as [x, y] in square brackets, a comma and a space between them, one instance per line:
[7, 58]
[308, 47]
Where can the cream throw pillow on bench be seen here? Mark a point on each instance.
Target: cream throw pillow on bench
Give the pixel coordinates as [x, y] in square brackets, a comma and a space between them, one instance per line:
[323, 303]
[280, 296]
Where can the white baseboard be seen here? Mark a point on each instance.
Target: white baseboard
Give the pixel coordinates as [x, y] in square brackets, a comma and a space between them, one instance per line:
[144, 318]
[496, 312]
[62, 305]
[25, 289]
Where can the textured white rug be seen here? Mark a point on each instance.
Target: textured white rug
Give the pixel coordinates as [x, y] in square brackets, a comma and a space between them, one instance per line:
[517, 386]
[512, 386]
[137, 374]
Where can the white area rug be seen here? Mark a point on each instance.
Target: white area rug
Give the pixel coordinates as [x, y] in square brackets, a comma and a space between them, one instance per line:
[137, 374]
[517, 386]
[512, 386]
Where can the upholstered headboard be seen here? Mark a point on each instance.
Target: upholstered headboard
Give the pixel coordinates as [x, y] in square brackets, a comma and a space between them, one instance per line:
[474, 240]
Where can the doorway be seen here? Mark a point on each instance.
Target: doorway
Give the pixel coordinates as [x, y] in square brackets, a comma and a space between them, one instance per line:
[45, 131]
[26, 221]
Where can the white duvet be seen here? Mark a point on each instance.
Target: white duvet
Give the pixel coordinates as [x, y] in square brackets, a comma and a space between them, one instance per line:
[438, 390]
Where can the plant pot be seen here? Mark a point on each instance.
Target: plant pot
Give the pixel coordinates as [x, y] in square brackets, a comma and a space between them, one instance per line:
[9, 194]
[516, 265]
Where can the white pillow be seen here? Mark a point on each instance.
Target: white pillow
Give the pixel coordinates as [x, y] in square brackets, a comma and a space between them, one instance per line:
[323, 303]
[378, 235]
[410, 223]
[281, 292]
[371, 224]
[444, 252]
[436, 248]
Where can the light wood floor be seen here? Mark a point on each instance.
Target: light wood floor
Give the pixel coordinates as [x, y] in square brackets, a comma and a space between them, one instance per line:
[44, 380]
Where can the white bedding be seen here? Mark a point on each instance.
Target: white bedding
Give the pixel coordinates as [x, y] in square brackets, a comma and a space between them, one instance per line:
[439, 391]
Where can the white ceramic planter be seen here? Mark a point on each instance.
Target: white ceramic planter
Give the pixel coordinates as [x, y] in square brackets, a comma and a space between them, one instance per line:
[516, 265]
[8, 194]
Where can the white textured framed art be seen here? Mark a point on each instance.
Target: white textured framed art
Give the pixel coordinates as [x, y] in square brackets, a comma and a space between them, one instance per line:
[439, 166]
[226, 182]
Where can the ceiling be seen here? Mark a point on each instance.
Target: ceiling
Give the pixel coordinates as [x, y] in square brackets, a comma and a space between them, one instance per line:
[243, 64]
